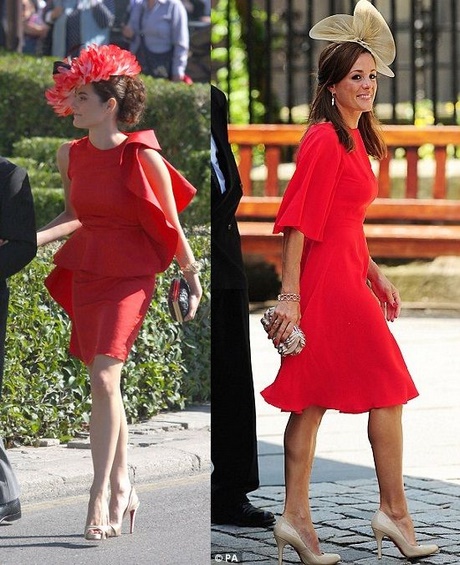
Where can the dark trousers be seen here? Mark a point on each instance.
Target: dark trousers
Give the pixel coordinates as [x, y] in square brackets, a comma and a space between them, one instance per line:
[9, 489]
[233, 417]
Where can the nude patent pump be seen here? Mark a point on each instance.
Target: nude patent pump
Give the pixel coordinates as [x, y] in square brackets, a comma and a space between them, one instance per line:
[285, 534]
[131, 509]
[383, 526]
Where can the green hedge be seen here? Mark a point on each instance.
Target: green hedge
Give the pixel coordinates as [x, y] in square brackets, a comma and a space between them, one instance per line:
[179, 114]
[46, 391]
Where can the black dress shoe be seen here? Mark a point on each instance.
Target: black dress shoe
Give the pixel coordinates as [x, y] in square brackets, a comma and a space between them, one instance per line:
[10, 511]
[244, 514]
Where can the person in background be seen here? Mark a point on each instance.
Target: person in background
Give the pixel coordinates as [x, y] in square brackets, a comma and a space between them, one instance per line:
[198, 10]
[77, 24]
[159, 36]
[35, 29]
[18, 247]
[233, 416]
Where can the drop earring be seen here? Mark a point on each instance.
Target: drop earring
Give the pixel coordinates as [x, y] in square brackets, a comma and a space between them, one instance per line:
[333, 99]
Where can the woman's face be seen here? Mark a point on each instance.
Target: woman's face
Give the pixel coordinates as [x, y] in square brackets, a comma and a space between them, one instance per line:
[355, 93]
[88, 109]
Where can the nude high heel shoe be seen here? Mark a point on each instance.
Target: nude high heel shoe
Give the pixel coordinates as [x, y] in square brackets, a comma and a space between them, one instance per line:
[285, 534]
[133, 505]
[97, 533]
[383, 526]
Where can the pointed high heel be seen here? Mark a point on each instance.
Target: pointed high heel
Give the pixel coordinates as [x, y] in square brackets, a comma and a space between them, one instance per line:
[133, 505]
[285, 534]
[383, 526]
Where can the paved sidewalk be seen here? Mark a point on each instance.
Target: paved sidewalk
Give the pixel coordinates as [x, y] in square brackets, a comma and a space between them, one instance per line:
[170, 444]
[344, 488]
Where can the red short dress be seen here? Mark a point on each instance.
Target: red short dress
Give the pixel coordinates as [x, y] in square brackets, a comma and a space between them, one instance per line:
[105, 273]
[351, 361]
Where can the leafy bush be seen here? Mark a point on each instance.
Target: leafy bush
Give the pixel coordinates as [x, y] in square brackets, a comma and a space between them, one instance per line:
[39, 175]
[48, 203]
[179, 114]
[46, 391]
[42, 150]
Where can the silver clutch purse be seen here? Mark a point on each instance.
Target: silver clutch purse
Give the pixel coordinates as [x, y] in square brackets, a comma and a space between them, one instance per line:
[294, 344]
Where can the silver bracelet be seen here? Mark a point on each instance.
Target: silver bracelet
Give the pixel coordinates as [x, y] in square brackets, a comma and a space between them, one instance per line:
[289, 296]
[194, 267]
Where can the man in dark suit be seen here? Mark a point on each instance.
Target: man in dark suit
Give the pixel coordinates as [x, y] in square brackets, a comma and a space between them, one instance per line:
[18, 247]
[233, 418]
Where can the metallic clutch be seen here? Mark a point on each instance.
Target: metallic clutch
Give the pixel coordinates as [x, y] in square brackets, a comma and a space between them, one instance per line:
[178, 299]
[294, 344]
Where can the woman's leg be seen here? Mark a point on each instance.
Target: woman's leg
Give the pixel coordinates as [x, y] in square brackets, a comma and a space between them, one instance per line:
[120, 484]
[386, 437]
[299, 450]
[105, 424]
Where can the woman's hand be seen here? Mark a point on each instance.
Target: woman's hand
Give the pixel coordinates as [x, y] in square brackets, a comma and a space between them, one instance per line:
[196, 293]
[287, 312]
[386, 293]
[285, 317]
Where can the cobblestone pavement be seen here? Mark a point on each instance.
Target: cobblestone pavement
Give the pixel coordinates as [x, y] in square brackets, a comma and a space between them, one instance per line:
[344, 493]
[342, 512]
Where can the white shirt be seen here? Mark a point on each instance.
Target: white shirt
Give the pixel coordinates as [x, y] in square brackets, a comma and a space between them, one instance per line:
[215, 164]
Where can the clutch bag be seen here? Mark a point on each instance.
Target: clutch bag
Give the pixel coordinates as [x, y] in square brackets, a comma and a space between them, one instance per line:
[179, 299]
[294, 344]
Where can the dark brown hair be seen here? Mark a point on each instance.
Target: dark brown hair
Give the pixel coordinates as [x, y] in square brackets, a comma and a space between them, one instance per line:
[129, 92]
[335, 62]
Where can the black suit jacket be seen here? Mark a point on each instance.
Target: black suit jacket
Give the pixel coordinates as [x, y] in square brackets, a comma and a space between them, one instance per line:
[227, 262]
[17, 225]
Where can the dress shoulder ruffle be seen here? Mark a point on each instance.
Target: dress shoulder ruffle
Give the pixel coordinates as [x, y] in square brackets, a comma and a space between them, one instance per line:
[151, 214]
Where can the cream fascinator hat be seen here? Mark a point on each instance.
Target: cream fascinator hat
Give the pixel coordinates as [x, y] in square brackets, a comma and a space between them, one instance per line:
[367, 27]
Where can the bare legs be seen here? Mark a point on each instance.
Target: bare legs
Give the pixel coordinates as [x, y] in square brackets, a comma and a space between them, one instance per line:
[385, 435]
[108, 432]
[299, 450]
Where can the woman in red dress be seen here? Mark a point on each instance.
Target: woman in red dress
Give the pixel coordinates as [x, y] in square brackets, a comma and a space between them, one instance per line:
[338, 296]
[121, 201]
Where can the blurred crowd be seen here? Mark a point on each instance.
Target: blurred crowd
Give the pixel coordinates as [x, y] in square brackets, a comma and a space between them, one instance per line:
[171, 38]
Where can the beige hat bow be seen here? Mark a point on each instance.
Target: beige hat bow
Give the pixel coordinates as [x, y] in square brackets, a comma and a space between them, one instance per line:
[367, 27]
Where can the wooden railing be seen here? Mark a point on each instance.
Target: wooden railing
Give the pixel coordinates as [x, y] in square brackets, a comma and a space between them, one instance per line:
[407, 227]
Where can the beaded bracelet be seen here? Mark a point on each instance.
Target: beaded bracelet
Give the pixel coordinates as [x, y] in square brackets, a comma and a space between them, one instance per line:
[290, 296]
[194, 268]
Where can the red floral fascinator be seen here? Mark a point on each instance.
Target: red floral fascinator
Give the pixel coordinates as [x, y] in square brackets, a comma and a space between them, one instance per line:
[95, 63]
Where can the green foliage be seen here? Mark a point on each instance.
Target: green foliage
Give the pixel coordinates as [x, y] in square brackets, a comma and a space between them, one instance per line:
[48, 203]
[41, 149]
[179, 114]
[196, 346]
[40, 176]
[238, 76]
[198, 213]
[23, 108]
[46, 392]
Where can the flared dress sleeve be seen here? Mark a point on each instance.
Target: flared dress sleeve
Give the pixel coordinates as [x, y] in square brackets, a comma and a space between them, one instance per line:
[150, 212]
[309, 194]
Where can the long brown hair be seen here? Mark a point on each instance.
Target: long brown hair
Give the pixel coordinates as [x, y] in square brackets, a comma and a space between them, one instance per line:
[334, 64]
